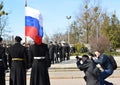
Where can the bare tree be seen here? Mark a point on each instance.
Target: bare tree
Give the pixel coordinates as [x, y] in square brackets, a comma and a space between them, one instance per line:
[59, 37]
[75, 33]
[46, 38]
[3, 19]
[90, 19]
[102, 43]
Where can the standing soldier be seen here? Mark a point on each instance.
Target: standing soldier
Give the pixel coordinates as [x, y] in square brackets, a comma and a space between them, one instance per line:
[17, 62]
[67, 51]
[3, 63]
[40, 61]
[51, 52]
[60, 51]
[56, 52]
[63, 51]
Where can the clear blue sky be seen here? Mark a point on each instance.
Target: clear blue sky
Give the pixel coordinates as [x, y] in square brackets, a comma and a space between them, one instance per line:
[54, 13]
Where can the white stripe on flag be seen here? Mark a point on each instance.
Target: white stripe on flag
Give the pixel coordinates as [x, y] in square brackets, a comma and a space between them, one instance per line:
[34, 13]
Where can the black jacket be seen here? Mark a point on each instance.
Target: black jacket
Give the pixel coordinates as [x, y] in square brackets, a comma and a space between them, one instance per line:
[89, 69]
[17, 67]
[3, 65]
[3, 57]
[39, 72]
[104, 61]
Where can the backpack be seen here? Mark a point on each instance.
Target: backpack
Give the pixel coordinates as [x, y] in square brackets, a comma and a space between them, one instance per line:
[113, 61]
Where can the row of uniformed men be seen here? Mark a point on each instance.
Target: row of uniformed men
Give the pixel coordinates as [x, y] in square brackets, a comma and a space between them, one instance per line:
[20, 60]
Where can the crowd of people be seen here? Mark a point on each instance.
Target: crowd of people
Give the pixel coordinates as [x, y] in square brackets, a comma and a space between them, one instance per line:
[18, 58]
[59, 52]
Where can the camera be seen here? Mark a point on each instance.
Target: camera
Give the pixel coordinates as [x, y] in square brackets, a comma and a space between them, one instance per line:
[91, 54]
[78, 58]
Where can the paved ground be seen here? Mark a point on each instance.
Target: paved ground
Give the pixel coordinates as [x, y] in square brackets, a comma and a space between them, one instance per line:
[116, 81]
[66, 73]
[76, 81]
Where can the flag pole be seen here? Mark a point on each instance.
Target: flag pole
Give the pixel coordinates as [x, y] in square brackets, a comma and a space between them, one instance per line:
[25, 3]
[25, 36]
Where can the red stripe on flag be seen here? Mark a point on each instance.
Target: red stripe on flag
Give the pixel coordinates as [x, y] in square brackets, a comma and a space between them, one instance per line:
[33, 33]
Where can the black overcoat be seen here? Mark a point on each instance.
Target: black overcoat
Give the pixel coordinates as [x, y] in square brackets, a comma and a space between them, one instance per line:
[3, 65]
[39, 71]
[89, 68]
[51, 52]
[17, 67]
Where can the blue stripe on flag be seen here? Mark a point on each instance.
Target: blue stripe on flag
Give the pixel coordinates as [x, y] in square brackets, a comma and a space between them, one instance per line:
[30, 21]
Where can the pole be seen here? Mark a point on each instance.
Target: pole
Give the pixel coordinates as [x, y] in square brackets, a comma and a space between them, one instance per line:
[25, 3]
[25, 36]
[68, 17]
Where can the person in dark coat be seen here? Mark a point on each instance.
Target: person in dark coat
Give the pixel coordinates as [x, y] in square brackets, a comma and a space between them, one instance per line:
[63, 51]
[56, 52]
[106, 65]
[39, 60]
[60, 51]
[17, 62]
[67, 51]
[90, 70]
[51, 52]
[3, 63]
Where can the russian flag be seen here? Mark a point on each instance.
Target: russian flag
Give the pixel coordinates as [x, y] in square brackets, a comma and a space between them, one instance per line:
[33, 24]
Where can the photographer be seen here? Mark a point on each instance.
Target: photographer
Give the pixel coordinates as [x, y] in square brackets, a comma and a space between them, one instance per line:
[88, 66]
[106, 65]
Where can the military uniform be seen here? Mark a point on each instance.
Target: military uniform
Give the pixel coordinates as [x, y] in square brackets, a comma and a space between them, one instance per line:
[51, 52]
[40, 61]
[60, 51]
[3, 65]
[56, 52]
[17, 62]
